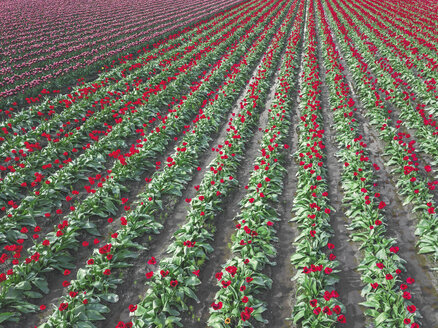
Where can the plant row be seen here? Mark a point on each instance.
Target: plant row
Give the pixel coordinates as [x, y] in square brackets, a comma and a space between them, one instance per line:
[316, 299]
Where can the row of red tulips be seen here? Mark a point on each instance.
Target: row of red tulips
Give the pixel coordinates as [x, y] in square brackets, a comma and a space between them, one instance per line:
[316, 300]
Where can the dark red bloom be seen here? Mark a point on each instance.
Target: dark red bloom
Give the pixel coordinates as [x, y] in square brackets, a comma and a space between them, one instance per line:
[105, 249]
[174, 283]
[411, 308]
[337, 309]
[328, 270]
[225, 284]
[132, 308]
[245, 316]
[394, 249]
[327, 295]
[63, 306]
[327, 310]
[217, 306]
[2, 277]
[149, 275]
[407, 295]
[152, 261]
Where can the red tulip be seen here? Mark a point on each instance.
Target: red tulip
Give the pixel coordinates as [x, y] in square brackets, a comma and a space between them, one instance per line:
[174, 283]
[217, 306]
[149, 275]
[411, 308]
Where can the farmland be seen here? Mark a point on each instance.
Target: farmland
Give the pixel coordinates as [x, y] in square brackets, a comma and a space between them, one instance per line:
[219, 164]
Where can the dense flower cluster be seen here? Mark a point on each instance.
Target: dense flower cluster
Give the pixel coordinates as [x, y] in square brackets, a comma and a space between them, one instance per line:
[381, 267]
[65, 38]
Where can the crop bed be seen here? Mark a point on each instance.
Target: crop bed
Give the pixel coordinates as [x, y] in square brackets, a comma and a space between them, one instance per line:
[219, 164]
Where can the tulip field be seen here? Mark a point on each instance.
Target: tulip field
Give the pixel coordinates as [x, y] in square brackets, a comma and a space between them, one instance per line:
[257, 163]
